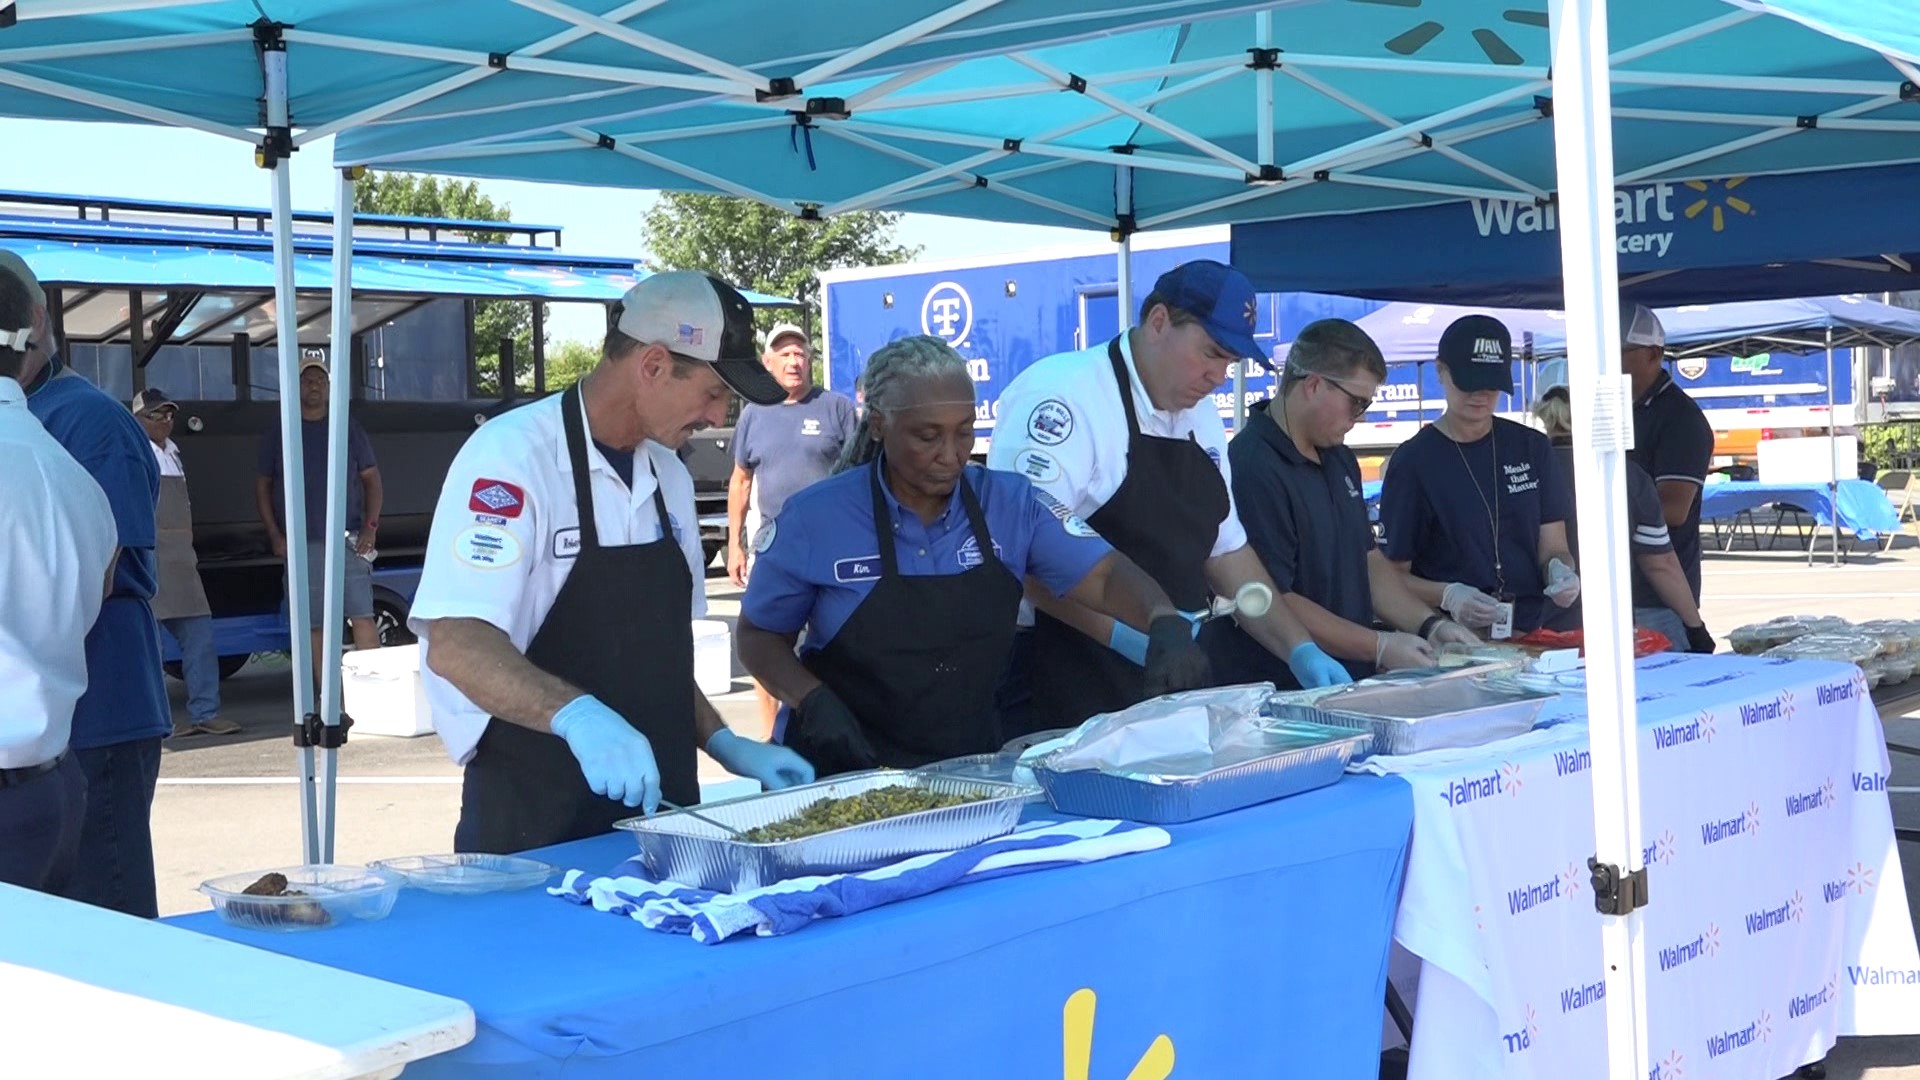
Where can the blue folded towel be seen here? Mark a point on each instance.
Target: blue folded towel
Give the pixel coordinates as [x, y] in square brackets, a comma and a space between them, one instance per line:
[712, 917]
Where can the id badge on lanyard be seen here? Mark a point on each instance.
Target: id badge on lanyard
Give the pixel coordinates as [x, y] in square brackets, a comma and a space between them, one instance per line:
[1502, 620]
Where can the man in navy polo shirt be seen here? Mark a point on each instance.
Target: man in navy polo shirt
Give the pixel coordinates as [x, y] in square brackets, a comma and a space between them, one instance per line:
[1298, 489]
[1672, 439]
[1473, 507]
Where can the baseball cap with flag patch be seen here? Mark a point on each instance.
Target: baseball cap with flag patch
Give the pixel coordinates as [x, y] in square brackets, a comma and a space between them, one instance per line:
[701, 318]
[1219, 296]
[1477, 351]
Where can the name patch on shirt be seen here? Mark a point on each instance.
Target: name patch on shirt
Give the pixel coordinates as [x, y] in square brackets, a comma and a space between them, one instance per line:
[566, 543]
[864, 568]
[1069, 520]
[497, 497]
[810, 426]
[485, 547]
[1037, 466]
[969, 553]
[1050, 423]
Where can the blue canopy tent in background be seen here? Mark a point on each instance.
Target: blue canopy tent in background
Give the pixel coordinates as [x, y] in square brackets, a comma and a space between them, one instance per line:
[282, 74]
[1314, 107]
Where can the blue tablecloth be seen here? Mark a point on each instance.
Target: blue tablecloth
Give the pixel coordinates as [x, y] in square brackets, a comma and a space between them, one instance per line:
[1256, 943]
[1865, 509]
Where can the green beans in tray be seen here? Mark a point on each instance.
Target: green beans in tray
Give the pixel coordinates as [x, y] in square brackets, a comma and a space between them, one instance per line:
[868, 806]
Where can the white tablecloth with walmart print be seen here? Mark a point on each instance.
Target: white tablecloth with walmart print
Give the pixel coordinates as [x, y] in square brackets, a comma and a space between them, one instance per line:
[1778, 917]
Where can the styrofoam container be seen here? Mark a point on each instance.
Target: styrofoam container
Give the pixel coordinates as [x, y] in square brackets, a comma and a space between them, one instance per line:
[382, 691]
[712, 657]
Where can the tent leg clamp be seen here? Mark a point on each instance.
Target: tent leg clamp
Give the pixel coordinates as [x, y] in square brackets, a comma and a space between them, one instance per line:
[311, 732]
[1614, 892]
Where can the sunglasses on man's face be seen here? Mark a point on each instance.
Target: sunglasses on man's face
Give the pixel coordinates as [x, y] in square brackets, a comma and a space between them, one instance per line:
[1356, 404]
[158, 415]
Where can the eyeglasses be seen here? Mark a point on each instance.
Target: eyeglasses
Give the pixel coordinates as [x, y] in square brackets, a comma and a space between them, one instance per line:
[1356, 404]
[157, 415]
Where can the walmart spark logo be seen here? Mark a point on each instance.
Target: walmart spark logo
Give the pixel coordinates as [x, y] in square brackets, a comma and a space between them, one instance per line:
[1510, 775]
[1672, 1067]
[1860, 878]
[1076, 1044]
[1717, 196]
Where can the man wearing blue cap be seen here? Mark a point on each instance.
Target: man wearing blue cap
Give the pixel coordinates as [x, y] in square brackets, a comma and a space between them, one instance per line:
[1126, 437]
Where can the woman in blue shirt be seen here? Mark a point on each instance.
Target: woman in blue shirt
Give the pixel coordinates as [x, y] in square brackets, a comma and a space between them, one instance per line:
[1473, 510]
[906, 640]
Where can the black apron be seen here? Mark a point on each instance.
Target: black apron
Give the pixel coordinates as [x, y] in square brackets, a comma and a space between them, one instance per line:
[1166, 517]
[918, 662]
[620, 630]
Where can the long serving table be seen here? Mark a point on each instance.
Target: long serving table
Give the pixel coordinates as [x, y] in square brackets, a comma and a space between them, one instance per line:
[1254, 945]
[1778, 916]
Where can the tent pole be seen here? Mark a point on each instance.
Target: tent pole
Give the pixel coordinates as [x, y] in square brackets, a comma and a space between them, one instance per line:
[1123, 232]
[1833, 455]
[340, 349]
[1263, 152]
[1603, 415]
[273, 154]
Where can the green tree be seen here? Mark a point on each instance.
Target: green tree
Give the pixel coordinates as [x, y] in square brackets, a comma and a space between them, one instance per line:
[411, 195]
[758, 247]
[568, 362]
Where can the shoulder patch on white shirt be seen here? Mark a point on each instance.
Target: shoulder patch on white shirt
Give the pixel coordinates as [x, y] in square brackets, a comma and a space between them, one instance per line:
[1069, 520]
[487, 547]
[1037, 466]
[1050, 423]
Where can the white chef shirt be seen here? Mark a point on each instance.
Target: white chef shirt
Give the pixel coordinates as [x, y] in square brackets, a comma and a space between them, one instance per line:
[1061, 424]
[58, 538]
[506, 533]
[169, 458]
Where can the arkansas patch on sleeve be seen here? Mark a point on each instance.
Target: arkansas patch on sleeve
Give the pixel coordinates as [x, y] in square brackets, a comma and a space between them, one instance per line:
[497, 497]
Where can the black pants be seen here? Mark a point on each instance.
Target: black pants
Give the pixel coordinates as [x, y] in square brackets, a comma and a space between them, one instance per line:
[40, 821]
[116, 843]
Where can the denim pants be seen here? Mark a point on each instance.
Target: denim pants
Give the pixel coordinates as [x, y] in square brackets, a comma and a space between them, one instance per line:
[1666, 622]
[115, 869]
[199, 667]
[40, 820]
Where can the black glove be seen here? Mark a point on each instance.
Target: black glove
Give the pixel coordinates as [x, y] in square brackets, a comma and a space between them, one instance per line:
[1699, 641]
[1174, 660]
[829, 735]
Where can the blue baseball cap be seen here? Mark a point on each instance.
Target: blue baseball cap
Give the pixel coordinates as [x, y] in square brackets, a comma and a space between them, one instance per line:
[1219, 296]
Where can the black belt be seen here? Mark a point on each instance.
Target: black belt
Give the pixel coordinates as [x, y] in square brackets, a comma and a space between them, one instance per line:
[9, 777]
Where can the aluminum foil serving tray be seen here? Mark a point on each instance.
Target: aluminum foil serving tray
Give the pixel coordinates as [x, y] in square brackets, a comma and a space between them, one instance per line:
[1291, 758]
[679, 847]
[1456, 710]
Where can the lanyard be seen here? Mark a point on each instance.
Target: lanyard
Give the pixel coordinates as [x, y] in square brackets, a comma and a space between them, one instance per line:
[1492, 508]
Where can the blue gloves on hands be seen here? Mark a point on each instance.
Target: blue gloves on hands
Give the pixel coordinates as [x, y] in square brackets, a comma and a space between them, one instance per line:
[616, 759]
[1314, 668]
[773, 765]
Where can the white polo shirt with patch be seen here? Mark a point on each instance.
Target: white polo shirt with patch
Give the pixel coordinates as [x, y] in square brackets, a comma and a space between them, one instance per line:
[1061, 424]
[506, 534]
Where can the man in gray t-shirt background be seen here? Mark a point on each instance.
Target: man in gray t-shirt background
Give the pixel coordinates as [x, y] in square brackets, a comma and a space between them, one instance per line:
[779, 449]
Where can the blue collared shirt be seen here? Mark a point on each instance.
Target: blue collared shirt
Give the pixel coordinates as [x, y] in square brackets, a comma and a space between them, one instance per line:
[820, 558]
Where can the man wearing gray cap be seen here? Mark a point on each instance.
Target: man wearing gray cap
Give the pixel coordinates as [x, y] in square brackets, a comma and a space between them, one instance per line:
[1672, 440]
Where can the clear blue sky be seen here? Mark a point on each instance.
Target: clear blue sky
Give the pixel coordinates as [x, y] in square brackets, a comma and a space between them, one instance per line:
[136, 161]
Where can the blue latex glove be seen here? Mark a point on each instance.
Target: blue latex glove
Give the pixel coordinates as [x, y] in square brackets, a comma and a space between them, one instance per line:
[1132, 644]
[616, 759]
[1314, 668]
[773, 765]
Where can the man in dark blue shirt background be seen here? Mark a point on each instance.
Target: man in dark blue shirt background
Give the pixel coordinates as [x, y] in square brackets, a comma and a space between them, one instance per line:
[119, 722]
[1672, 439]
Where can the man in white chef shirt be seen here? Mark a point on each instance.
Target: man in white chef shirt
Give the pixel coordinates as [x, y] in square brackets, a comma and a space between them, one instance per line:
[60, 542]
[557, 651]
[1146, 468]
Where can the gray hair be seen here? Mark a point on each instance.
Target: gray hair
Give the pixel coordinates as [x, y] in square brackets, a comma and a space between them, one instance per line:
[1332, 347]
[891, 373]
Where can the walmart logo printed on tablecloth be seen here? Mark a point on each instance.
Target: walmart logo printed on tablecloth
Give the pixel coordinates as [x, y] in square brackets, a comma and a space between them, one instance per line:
[1704, 946]
[1697, 731]
[1504, 780]
[1719, 830]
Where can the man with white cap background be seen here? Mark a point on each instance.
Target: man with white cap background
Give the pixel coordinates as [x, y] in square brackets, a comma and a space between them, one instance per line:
[119, 722]
[780, 449]
[562, 577]
[1672, 439]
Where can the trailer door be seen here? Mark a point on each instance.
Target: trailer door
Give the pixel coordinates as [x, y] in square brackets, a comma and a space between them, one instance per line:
[1099, 317]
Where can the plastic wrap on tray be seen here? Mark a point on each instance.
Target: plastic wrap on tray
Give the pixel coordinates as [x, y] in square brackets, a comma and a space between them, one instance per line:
[1757, 638]
[1892, 670]
[1852, 648]
[1446, 712]
[1898, 635]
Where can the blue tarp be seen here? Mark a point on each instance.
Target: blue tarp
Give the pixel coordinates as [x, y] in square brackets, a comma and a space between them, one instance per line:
[104, 254]
[1798, 325]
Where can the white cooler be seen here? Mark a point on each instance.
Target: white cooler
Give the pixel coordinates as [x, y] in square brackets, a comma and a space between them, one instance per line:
[712, 657]
[381, 690]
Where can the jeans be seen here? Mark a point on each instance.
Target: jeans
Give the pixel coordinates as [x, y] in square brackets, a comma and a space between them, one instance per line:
[198, 665]
[1666, 622]
[116, 841]
[40, 827]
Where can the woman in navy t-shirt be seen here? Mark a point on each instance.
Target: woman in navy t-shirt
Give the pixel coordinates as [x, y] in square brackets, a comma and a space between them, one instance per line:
[1474, 511]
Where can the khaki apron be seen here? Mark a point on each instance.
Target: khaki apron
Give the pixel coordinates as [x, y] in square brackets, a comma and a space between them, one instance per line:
[177, 567]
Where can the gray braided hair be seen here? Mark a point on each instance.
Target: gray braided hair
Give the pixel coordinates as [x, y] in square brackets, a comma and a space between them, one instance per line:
[892, 371]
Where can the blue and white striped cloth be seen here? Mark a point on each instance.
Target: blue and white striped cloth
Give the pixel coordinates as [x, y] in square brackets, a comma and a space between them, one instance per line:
[712, 917]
